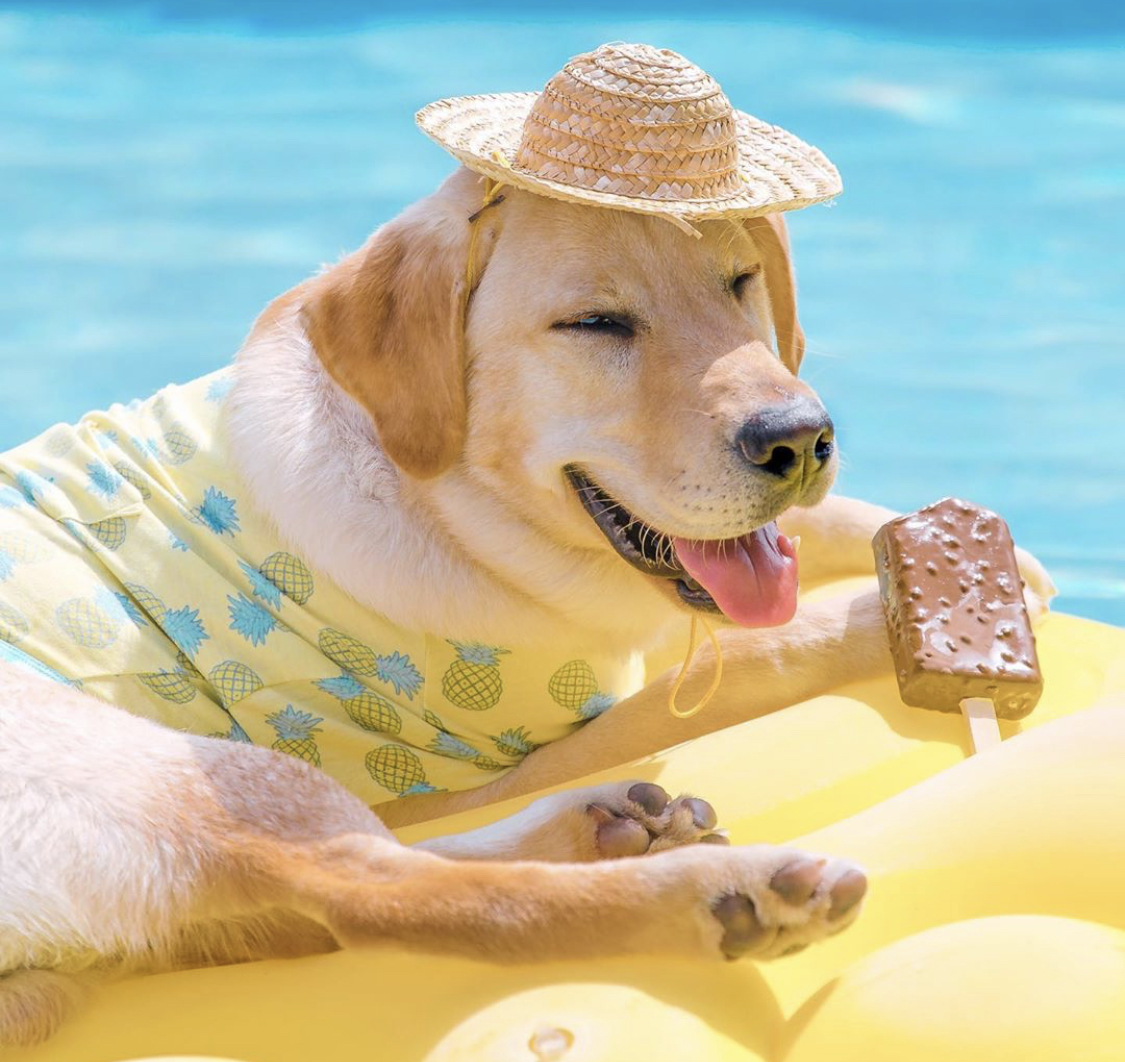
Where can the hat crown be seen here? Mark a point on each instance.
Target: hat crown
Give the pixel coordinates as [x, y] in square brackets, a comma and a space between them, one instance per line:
[633, 120]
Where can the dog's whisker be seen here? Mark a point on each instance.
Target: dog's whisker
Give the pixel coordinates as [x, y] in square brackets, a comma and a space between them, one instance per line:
[670, 480]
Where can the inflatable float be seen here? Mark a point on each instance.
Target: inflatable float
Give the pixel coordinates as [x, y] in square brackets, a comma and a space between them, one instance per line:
[994, 927]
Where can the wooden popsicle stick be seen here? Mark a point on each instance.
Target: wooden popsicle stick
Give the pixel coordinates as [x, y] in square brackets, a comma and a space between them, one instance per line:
[980, 714]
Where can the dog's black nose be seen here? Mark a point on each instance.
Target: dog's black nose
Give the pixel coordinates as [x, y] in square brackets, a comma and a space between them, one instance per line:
[786, 439]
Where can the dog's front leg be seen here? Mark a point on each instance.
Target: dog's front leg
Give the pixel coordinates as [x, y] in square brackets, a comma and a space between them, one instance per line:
[828, 643]
[701, 901]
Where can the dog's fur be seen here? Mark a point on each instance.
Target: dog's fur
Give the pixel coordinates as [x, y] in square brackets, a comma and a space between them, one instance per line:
[415, 455]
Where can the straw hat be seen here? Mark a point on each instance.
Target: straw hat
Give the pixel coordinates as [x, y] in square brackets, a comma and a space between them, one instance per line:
[632, 127]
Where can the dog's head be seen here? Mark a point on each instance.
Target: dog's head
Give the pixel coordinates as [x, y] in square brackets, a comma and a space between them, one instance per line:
[608, 376]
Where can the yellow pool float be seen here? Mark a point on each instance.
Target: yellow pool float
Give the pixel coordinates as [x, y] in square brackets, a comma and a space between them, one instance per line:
[994, 926]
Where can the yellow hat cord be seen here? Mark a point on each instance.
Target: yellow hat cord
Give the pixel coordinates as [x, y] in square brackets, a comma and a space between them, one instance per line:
[492, 196]
[687, 713]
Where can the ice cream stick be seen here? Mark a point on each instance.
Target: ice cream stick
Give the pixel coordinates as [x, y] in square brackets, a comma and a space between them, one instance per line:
[980, 714]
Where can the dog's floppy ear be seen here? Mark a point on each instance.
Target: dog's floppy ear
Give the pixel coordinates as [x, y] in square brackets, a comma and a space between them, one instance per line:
[387, 324]
[772, 239]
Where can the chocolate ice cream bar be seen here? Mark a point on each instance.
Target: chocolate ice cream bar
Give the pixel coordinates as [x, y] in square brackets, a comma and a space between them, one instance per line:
[956, 619]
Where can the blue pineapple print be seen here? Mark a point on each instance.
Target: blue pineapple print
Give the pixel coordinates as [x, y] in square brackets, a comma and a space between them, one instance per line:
[342, 686]
[364, 707]
[120, 606]
[87, 624]
[575, 687]
[219, 387]
[445, 743]
[148, 448]
[17, 549]
[473, 680]
[218, 512]
[13, 625]
[31, 485]
[595, 704]
[398, 670]
[234, 682]
[175, 686]
[295, 733]
[179, 446]
[281, 573]
[422, 787]
[346, 652]
[260, 585]
[515, 742]
[131, 609]
[236, 733]
[185, 628]
[398, 769]
[134, 477]
[105, 482]
[249, 619]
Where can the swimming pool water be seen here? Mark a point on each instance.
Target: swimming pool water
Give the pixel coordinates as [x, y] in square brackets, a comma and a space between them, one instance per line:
[164, 177]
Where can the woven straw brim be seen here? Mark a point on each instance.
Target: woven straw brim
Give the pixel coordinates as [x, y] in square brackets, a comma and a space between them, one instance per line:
[777, 170]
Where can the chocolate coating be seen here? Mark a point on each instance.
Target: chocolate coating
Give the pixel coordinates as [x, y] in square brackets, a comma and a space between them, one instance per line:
[956, 619]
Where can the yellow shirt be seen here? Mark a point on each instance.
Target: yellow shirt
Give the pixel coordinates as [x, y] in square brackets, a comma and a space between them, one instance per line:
[132, 565]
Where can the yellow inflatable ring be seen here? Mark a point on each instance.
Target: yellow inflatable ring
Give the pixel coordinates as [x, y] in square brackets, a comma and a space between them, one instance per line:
[994, 927]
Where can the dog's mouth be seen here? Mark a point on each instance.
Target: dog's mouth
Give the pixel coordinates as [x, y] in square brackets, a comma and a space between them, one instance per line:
[751, 579]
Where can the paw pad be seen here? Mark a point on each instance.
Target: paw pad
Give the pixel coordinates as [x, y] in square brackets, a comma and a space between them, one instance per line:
[645, 818]
[797, 881]
[742, 931]
[807, 898]
[653, 798]
[846, 893]
[618, 836]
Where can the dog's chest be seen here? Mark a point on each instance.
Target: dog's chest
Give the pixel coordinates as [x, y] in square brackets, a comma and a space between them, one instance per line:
[132, 563]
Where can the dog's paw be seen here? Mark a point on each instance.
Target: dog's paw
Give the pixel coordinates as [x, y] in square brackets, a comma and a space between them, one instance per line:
[586, 825]
[757, 902]
[634, 818]
[787, 900]
[1038, 588]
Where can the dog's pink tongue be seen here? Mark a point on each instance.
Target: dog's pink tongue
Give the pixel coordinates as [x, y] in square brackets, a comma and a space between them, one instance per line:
[753, 579]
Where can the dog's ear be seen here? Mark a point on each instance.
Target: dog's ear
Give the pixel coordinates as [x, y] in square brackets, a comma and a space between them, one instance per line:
[387, 323]
[772, 239]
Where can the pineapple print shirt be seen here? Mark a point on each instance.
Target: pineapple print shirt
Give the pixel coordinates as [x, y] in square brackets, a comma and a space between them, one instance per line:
[132, 565]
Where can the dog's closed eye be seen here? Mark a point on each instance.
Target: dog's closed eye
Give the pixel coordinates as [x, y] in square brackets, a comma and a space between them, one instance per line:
[617, 325]
[741, 283]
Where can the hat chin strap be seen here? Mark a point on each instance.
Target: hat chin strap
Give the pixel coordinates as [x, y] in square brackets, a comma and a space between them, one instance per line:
[492, 196]
[716, 678]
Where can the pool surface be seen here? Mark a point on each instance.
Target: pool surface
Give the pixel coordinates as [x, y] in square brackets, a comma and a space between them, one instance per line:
[166, 173]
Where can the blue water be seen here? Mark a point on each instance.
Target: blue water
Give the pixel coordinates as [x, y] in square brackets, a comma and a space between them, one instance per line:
[167, 169]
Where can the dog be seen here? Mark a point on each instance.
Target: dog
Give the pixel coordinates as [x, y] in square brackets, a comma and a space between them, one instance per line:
[524, 463]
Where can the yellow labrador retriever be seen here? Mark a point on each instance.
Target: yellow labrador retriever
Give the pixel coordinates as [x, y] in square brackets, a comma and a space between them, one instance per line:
[607, 443]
